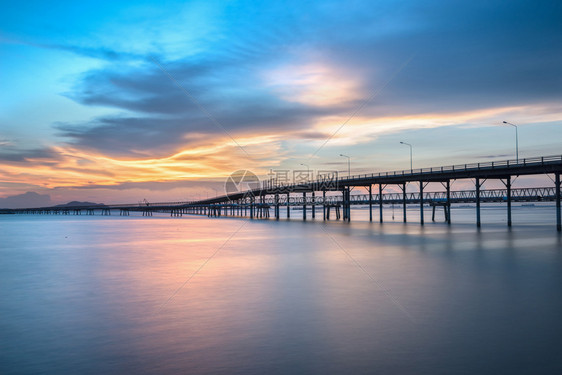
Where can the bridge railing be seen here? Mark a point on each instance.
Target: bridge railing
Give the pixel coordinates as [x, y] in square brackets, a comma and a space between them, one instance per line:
[460, 167]
[518, 194]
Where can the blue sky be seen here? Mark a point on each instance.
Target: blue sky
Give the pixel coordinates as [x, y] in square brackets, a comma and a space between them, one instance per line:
[109, 101]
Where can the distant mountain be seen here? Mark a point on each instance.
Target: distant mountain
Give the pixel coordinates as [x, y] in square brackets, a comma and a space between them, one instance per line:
[80, 204]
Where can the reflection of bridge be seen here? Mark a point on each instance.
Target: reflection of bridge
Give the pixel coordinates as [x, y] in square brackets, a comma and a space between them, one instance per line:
[259, 201]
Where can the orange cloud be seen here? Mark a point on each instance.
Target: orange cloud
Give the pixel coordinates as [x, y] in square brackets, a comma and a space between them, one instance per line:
[75, 167]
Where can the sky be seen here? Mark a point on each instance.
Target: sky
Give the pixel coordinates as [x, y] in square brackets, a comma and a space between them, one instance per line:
[117, 102]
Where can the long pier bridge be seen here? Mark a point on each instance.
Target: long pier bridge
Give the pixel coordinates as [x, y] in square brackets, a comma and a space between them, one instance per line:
[335, 193]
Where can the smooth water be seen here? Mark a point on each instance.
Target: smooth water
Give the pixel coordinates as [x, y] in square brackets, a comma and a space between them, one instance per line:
[110, 295]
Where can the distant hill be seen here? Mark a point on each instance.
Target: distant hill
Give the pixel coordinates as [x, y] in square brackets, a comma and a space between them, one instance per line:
[80, 204]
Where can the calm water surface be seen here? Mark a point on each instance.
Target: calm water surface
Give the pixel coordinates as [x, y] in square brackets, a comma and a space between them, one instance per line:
[111, 295]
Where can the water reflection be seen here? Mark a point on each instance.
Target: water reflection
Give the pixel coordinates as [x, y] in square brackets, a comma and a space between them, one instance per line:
[90, 295]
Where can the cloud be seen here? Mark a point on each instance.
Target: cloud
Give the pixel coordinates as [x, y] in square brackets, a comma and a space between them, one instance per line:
[26, 200]
[157, 185]
[313, 84]
[466, 56]
[75, 167]
[160, 135]
[101, 52]
[166, 118]
[5, 142]
[14, 154]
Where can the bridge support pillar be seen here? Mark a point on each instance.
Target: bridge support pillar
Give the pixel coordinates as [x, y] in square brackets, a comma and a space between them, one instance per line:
[349, 203]
[508, 187]
[558, 217]
[288, 205]
[276, 206]
[421, 202]
[304, 205]
[478, 223]
[380, 203]
[404, 200]
[370, 202]
[313, 204]
[324, 205]
[448, 207]
[344, 205]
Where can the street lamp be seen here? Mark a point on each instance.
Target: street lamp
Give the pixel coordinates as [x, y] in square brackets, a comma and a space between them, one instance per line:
[307, 171]
[516, 140]
[348, 164]
[411, 164]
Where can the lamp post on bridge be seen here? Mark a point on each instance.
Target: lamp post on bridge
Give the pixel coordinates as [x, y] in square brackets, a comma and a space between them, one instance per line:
[516, 140]
[307, 170]
[348, 164]
[411, 163]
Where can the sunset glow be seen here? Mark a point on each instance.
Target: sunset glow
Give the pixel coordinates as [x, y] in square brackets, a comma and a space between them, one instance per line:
[102, 100]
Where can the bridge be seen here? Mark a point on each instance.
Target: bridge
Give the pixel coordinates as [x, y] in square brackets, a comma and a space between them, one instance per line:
[258, 202]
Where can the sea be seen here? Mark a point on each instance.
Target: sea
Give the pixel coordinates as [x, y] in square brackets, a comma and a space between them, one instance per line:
[198, 295]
